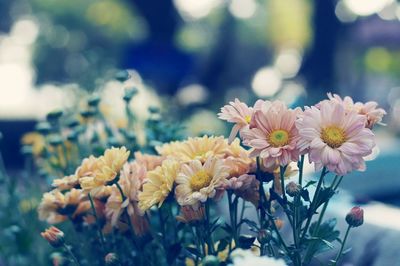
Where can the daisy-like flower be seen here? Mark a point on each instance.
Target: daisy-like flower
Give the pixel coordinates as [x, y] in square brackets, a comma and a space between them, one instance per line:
[273, 134]
[245, 186]
[131, 180]
[370, 109]
[158, 184]
[238, 159]
[149, 161]
[197, 182]
[55, 206]
[88, 167]
[199, 148]
[335, 138]
[238, 113]
[108, 166]
[190, 215]
[66, 183]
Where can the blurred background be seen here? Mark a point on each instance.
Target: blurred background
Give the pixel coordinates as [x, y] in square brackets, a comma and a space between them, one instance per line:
[197, 56]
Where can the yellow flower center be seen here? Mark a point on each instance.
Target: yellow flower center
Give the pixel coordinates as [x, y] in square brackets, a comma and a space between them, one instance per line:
[248, 119]
[333, 136]
[278, 138]
[200, 180]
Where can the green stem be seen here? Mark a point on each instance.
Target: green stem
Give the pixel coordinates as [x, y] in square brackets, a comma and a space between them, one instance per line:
[282, 175]
[209, 237]
[97, 223]
[300, 165]
[312, 210]
[71, 254]
[343, 243]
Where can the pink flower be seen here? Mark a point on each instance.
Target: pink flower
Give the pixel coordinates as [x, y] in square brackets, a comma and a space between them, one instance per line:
[239, 113]
[335, 138]
[373, 114]
[273, 134]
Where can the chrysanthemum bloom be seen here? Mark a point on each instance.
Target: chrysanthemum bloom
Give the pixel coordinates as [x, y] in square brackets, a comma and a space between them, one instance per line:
[149, 161]
[88, 167]
[238, 113]
[273, 134]
[158, 184]
[191, 215]
[245, 186]
[199, 148]
[197, 182]
[54, 236]
[131, 181]
[108, 166]
[370, 109]
[335, 138]
[55, 206]
[66, 183]
[238, 159]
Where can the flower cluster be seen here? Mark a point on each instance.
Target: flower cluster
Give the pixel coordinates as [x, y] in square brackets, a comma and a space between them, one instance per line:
[336, 133]
[162, 200]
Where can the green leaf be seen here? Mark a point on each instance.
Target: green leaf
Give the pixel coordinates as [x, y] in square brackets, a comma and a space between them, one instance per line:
[309, 183]
[305, 195]
[245, 242]
[223, 243]
[193, 251]
[253, 225]
[173, 252]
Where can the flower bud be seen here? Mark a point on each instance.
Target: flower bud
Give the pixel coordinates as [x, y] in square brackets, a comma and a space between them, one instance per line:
[264, 236]
[129, 93]
[122, 75]
[293, 189]
[54, 236]
[94, 100]
[111, 259]
[355, 217]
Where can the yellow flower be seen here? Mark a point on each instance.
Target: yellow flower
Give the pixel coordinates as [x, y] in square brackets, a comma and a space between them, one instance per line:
[197, 182]
[88, 167]
[55, 205]
[35, 140]
[149, 161]
[66, 183]
[159, 184]
[199, 148]
[238, 160]
[105, 169]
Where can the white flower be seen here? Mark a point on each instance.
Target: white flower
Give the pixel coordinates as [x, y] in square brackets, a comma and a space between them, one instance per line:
[242, 257]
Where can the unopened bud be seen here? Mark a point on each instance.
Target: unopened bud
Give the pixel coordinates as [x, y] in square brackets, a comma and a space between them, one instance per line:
[54, 236]
[355, 217]
[264, 236]
[111, 259]
[293, 189]
[129, 93]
